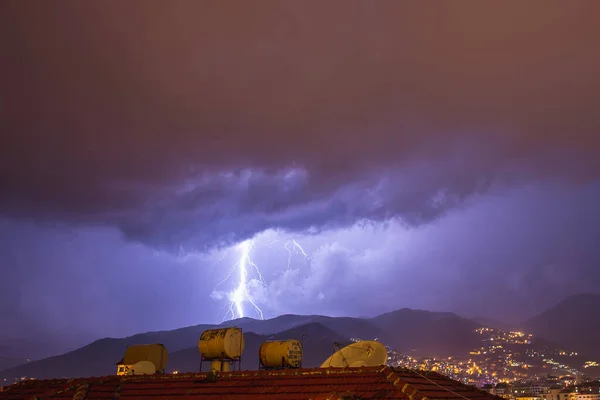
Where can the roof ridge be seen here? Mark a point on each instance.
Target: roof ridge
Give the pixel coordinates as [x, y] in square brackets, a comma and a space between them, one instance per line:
[316, 383]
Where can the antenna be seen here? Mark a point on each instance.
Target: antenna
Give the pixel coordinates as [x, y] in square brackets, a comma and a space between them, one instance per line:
[304, 335]
[367, 353]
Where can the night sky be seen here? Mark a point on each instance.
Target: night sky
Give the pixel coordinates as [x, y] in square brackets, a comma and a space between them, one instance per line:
[440, 156]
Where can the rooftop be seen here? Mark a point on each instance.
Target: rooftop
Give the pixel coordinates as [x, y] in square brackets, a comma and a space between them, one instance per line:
[318, 383]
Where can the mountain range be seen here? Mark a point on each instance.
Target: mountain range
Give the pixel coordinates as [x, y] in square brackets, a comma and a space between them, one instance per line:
[414, 332]
[574, 323]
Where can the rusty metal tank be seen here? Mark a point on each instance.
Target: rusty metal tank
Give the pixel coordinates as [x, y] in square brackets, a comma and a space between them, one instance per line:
[227, 343]
[281, 354]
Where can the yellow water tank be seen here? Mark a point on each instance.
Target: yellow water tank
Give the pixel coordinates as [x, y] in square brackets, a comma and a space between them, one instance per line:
[281, 353]
[155, 353]
[217, 343]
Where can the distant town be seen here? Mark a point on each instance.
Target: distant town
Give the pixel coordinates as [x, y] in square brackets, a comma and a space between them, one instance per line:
[509, 365]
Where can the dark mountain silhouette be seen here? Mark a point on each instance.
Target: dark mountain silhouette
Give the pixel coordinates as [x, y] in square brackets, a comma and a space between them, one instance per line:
[318, 345]
[573, 323]
[270, 326]
[104, 353]
[425, 333]
[99, 358]
[416, 332]
[351, 327]
[174, 340]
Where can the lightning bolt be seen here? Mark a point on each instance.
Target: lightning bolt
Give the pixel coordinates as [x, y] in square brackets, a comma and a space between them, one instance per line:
[240, 295]
[247, 270]
[292, 248]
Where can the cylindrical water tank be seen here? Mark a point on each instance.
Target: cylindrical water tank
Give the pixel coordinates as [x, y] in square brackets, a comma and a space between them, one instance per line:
[225, 343]
[155, 353]
[281, 353]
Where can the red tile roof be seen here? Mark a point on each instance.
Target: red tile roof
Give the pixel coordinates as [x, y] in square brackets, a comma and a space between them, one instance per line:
[319, 383]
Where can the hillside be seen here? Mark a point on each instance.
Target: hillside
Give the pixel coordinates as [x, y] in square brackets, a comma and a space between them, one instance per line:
[416, 339]
[573, 323]
[270, 326]
[405, 329]
[318, 345]
[424, 333]
[351, 327]
[99, 358]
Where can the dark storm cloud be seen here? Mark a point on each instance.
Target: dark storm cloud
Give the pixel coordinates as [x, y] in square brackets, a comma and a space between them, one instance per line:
[224, 210]
[127, 113]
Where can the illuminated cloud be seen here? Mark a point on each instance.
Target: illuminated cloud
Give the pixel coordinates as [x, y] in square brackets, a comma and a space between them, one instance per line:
[486, 252]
